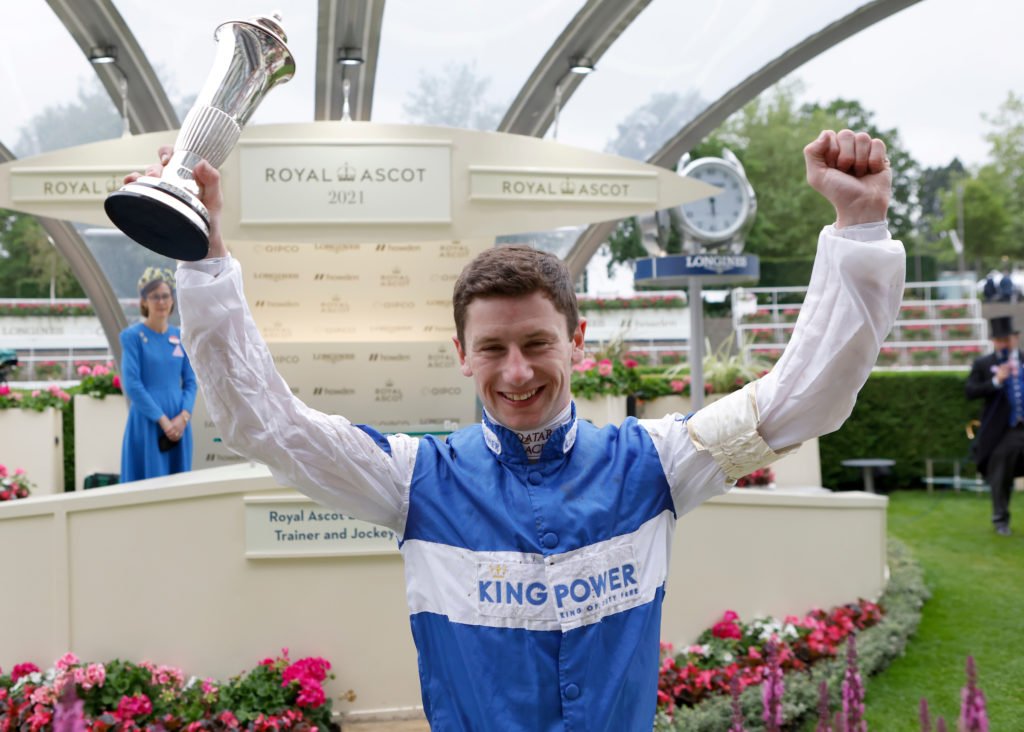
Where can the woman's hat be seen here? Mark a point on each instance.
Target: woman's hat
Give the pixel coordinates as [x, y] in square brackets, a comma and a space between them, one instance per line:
[1001, 327]
[152, 277]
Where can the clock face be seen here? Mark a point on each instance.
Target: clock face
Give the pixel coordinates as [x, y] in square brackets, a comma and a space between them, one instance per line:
[719, 217]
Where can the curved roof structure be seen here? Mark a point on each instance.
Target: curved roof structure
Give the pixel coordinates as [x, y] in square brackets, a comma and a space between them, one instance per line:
[499, 65]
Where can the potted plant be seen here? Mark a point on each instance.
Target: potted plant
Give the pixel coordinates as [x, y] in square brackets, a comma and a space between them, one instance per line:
[13, 485]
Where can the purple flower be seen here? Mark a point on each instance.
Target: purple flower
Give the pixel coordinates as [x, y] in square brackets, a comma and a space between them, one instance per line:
[68, 715]
[940, 725]
[925, 716]
[772, 690]
[824, 724]
[973, 717]
[737, 711]
[853, 691]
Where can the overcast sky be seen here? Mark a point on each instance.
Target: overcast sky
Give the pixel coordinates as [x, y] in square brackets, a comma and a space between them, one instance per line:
[931, 71]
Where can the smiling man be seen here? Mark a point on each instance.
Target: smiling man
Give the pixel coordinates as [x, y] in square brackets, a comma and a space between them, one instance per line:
[536, 546]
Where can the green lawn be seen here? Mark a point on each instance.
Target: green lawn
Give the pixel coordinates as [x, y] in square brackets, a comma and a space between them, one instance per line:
[977, 607]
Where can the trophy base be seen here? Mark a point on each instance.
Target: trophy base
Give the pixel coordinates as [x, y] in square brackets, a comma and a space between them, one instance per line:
[165, 222]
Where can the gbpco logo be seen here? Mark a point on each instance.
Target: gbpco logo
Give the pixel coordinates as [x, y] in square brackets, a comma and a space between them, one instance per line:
[286, 358]
[388, 393]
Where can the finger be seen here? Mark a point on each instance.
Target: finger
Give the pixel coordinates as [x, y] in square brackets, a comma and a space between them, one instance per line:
[832, 156]
[861, 151]
[164, 153]
[815, 150]
[877, 160]
[847, 151]
[132, 177]
[155, 170]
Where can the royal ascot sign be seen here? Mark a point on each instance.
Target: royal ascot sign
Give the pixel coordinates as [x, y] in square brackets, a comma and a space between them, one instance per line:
[344, 182]
[294, 526]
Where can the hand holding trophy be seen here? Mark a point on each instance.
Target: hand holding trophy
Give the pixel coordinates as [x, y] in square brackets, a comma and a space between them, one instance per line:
[165, 213]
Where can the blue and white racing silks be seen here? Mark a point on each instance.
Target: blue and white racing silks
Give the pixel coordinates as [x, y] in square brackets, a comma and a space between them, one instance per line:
[535, 588]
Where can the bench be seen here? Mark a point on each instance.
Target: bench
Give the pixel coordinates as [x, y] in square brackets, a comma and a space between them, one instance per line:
[955, 481]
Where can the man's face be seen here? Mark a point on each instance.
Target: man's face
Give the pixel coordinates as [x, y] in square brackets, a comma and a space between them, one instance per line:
[1004, 344]
[520, 357]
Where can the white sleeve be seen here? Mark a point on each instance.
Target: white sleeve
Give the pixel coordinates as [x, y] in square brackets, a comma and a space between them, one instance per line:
[851, 304]
[325, 457]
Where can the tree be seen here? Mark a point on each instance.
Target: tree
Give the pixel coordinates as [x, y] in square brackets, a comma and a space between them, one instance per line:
[1006, 142]
[89, 119]
[647, 128]
[626, 243]
[456, 97]
[28, 260]
[987, 229]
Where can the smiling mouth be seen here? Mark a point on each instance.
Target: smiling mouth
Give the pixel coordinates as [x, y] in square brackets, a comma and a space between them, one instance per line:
[520, 396]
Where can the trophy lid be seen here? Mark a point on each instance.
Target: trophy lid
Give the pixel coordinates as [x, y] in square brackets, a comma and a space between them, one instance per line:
[270, 24]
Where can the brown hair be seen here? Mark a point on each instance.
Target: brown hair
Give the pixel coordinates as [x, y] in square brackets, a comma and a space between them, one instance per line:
[143, 307]
[515, 270]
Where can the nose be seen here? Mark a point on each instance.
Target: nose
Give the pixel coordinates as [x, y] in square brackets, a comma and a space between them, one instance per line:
[518, 370]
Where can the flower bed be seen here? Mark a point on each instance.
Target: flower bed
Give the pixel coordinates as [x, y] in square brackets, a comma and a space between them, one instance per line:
[49, 371]
[591, 378]
[878, 645]
[657, 302]
[26, 309]
[762, 335]
[761, 478]
[913, 312]
[924, 356]
[953, 311]
[760, 316]
[958, 330]
[278, 694]
[916, 332]
[963, 355]
[790, 315]
[888, 356]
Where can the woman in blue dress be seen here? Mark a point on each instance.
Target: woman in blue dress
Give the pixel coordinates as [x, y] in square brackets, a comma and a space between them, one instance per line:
[159, 382]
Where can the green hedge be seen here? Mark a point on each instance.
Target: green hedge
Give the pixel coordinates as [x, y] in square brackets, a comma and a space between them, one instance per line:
[905, 416]
[796, 271]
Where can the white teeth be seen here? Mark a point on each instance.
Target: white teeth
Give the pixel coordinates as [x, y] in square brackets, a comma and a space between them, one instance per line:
[520, 397]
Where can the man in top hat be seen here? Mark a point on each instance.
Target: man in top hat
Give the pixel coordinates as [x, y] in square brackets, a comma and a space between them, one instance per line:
[999, 448]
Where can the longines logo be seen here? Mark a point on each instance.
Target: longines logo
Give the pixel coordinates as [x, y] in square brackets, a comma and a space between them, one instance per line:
[334, 305]
[333, 391]
[391, 328]
[289, 358]
[276, 304]
[336, 248]
[330, 277]
[390, 357]
[394, 278]
[454, 250]
[333, 358]
[345, 173]
[388, 393]
[439, 303]
[441, 390]
[442, 359]
[276, 276]
[276, 248]
[396, 305]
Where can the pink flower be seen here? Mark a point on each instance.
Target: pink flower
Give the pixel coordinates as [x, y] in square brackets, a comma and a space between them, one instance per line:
[209, 687]
[604, 367]
[677, 385]
[228, 719]
[95, 675]
[83, 370]
[117, 381]
[4, 390]
[100, 370]
[68, 659]
[133, 706]
[3, 471]
[630, 363]
[21, 669]
[35, 392]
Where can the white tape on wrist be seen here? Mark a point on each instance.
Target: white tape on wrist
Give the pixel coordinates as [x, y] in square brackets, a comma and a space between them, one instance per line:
[728, 430]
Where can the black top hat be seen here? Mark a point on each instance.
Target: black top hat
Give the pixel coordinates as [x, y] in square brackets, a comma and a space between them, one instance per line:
[1001, 327]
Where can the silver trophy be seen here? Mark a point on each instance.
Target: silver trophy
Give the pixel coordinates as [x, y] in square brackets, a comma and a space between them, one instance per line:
[165, 214]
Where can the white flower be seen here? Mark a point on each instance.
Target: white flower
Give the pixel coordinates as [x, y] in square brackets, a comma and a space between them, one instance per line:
[727, 657]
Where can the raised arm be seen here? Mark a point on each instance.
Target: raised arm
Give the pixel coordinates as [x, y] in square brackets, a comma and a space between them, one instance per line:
[326, 457]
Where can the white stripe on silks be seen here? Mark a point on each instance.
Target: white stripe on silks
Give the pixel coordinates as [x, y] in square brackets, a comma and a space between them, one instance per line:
[529, 591]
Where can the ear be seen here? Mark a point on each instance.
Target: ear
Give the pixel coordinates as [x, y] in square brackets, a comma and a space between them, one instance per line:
[577, 341]
[464, 366]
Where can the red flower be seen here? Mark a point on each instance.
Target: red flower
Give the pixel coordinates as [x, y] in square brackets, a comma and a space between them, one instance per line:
[23, 669]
